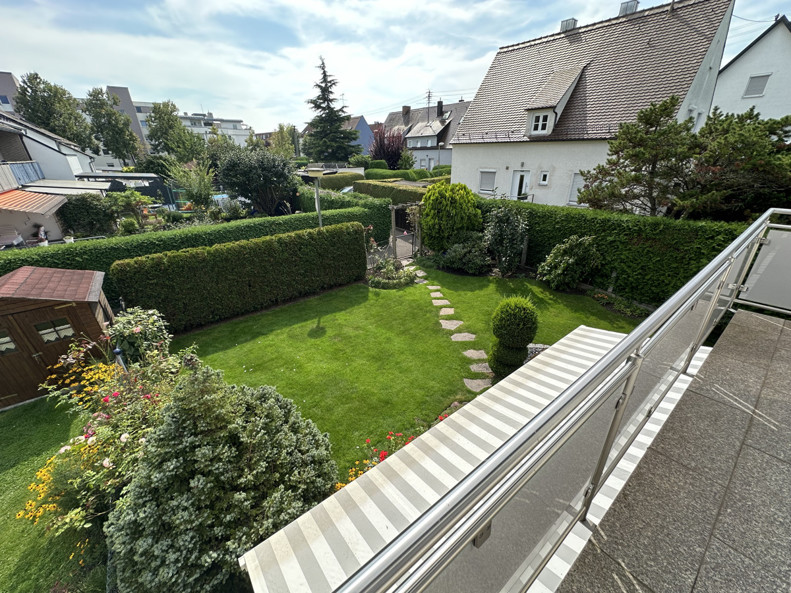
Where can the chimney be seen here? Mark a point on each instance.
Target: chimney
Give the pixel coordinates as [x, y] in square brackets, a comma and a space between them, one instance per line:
[405, 111]
[439, 108]
[568, 25]
[628, 7]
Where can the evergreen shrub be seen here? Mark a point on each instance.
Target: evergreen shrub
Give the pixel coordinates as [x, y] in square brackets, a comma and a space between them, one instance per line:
[378, 164]
[569, 263]
[340, 180]
[514, 325]
[193, 287]
[395, 192]
[469, 256]
[448, 212]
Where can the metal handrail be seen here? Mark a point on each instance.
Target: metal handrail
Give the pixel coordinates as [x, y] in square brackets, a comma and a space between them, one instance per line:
[525, 448]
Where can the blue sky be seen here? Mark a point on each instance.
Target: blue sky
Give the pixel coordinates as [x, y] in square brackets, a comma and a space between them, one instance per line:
[256, 59]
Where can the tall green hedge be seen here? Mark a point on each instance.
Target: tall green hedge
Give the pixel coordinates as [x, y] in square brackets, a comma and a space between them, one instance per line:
[193, 287]
[397, 193]
[378, 208]
[409, 174]
[340, 180]
[644, 258]
[101, 253]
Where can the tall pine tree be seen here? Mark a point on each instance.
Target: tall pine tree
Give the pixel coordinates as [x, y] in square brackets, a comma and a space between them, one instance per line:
[328, 141]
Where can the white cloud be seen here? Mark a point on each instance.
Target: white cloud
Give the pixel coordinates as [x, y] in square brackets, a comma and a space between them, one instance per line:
[382, 53]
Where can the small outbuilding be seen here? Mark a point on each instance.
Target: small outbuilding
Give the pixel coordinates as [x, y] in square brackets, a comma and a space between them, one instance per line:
[41, 310]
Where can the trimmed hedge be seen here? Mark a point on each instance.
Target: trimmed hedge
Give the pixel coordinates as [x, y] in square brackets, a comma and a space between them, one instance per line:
[408, 174]
[645, 259]
[193, 287]
[378, 208]
[377, 164]
[340, 180]
[395, 192]
[101, 253]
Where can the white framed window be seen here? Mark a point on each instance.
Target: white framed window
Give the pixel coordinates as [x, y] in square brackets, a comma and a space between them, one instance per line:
[4, 100]
[577, 183]
[540, 123]
[543, 178]
[487, 180]
[756, 85]
[422, 163]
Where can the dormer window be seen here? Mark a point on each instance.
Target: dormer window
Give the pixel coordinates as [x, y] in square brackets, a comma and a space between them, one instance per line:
[540, 123]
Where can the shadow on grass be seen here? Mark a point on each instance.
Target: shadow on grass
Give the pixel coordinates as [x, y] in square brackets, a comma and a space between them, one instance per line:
[245, 329]
[31, 430]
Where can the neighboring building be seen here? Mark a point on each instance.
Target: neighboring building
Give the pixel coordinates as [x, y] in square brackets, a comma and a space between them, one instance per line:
[9, 86]
[759, 76]
[202, 123]
[429, 131]
[366, 136]
[547, 107]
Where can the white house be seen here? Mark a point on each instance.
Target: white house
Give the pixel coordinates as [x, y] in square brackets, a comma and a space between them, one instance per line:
[547, 107]
[759, 76]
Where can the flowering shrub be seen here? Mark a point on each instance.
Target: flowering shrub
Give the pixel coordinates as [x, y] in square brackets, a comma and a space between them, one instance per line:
[376, 454]
[390, 273]
[139, 330]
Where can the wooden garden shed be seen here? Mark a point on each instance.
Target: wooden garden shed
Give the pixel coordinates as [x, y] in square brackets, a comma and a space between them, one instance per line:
[41, 310]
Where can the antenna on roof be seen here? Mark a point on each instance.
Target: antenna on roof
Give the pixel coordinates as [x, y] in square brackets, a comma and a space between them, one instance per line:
[428, 105]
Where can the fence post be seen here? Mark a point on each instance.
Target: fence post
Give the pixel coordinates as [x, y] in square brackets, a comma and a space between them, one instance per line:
[393, 231]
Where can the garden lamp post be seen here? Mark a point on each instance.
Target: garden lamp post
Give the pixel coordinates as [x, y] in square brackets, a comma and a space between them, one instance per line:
[317, 173]
[439, 153]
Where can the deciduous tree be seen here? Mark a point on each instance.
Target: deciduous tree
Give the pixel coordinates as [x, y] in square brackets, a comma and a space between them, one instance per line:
[53, 108]
[388, 145]
[258, 175]
[110, 127]
[167, 134]
[328, 141]
[282, 141]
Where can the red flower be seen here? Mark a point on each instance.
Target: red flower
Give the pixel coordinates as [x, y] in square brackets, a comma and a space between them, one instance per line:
[389, 437]
[147, 396]
[116, 394]
[106, 398]
[382, 455]
[399, 434]
[367, 440]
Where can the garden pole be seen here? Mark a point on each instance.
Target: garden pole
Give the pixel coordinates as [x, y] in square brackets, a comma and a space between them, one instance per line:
[393, 230]
[318, 202]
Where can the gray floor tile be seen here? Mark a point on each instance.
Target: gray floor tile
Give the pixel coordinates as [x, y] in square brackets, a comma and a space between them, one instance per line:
[704, 435]
[778, 377]
[729, 381]
[759, 321]
[770, 430]
[756, 514]
[725, 569]
[785, 338]
[661, 522]
[596, 571]
[749, 344]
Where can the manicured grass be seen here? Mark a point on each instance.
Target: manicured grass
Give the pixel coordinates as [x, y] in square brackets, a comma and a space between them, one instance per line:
[32, 561]
[361, 362]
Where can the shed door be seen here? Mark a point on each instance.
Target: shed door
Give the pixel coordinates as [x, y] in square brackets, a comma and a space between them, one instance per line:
[20, 373]
[49, 331]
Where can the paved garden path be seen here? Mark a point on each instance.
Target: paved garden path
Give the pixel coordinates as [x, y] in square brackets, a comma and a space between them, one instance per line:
[439, 300]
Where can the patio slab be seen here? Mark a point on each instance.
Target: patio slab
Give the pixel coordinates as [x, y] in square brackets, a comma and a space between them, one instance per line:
[450, 323]
[440, 302]
[477, 385]
[463, 337]
[475, 354]
[446, 311]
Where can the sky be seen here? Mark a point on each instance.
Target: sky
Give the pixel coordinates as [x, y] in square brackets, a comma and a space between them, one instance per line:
[257, 59]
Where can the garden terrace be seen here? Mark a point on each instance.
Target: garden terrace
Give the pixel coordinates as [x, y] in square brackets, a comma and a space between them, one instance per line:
[462, 532]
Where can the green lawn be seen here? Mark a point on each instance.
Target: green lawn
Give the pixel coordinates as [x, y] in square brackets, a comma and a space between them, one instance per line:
[361, 362]
[31, 560]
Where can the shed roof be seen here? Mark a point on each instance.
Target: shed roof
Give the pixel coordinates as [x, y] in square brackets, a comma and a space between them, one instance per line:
[52, 284]
[17, 200]
[631, 61]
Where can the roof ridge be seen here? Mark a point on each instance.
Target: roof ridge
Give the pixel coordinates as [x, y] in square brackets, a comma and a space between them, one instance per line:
[651, 11]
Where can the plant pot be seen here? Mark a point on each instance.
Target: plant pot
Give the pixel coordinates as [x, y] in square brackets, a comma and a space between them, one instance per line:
[68, 239]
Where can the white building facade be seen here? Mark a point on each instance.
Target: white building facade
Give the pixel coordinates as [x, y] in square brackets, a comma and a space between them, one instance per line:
[760, 76]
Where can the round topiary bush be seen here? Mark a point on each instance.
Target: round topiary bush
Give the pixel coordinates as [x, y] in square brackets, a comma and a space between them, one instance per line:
[513, 357]
[448, 211]
[515, 322]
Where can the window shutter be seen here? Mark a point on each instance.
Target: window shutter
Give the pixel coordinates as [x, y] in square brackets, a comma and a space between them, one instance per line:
[756, 86]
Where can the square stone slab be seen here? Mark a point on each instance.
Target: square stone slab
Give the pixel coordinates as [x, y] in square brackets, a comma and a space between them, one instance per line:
[420, 273]
[434, 287]
[481, 367]
[463, 337]
[446, 311]
[450, 323]
[475, 354]
[440, 302]
[477, 385]
[436, 295]
[420, 281]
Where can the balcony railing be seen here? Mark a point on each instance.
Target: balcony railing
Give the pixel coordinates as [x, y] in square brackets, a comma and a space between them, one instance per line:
[501, 523]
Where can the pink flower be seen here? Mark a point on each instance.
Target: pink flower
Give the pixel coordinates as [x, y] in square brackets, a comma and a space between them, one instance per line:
[116, 394]
[107, 463]
[147, 396]
[138, 329]
[106, 398]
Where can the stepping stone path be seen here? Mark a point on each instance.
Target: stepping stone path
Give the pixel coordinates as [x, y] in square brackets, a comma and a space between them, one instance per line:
[463, 337]
[481, 367]
[475, 385]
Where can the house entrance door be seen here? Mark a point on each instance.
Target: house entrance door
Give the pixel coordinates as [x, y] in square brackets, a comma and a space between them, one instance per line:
[519, 185]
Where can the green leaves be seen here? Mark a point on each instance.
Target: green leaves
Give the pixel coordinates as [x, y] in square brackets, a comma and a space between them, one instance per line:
[110, 127]
[167, 134]
[449, 210]
[259, 175]
[570, 262]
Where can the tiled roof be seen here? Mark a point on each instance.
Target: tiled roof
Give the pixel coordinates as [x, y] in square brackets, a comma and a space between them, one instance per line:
[455, 111]
[631, 61]
[18, 200]
[16, 122]
[52, 284]
[554, 88]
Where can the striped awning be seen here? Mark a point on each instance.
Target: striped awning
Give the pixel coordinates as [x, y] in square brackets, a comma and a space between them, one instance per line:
[325, 546]
[18, 200]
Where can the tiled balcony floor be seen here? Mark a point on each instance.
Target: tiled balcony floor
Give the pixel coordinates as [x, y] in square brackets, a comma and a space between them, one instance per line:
[709, 507]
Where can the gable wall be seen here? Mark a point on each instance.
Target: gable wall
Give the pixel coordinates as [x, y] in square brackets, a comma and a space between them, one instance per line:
[772, 54]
